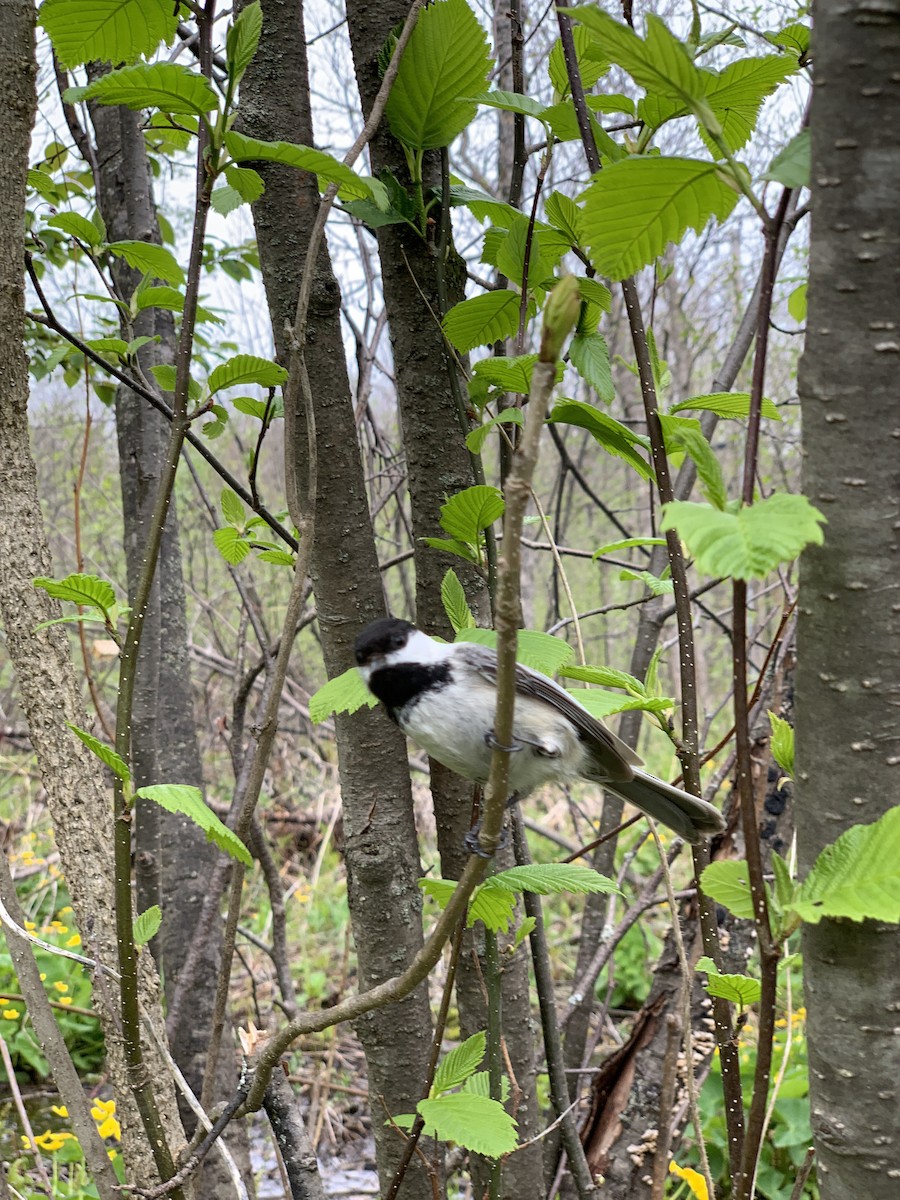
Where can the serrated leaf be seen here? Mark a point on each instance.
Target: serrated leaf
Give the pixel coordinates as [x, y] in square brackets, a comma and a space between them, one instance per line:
[605, 677]
[246, 368]
[465, 515]
[540, 651]
[747, 543]
[525, 930]
[242, 40]
[79, 588]
[453, 598]
[589, 355]
[151, 259]
[475, 1122]
[509, 374]
[738, 90]
[146, 925]
[105, 753]
[782, 744]
[635, 208]
[483, 319]
[794, 37]
[77, 226]
[659, 63]
[597, 300]
[603, 704]
[458, 1064]
[727, 404]
[797, 303]
[445, 60]
[159, 297]
[656, 585]
[306, 158]
[785, 888]
[857, 877]
[281, 558]
[225, 200]
[108, 345]
[791, 166]
[684, 433]
[189, 802]
[452, 546]
[167, 86]
[562, 212]
[246, 182]
[482, 206]
[563, 120]
[107, 30]
[728, 883]
[739, 989]
[232, 507]
[513, 102]
[614, 437]
[626, 544]
[479, 1084]
[231, 544]
[550, 879]
[507, 416]
[346, 693]
[490, 903]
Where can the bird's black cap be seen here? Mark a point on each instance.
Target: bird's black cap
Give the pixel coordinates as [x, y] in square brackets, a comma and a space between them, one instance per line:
[380, 637]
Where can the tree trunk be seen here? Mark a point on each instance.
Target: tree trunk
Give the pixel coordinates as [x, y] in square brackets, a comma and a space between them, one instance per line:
[849, 624]
[382, 855]
[79, 804]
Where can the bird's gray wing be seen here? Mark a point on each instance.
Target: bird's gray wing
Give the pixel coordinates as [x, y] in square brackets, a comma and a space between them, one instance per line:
[614, 759]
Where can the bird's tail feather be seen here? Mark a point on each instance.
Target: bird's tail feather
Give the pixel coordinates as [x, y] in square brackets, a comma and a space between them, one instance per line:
[691, 818]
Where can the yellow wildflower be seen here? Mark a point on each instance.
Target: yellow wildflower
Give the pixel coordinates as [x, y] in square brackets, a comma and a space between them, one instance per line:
[64, 912]
[65, 1000]
[51, 1142]
[693, 1179]
[59, 1109]
[60, 986]
[103, 1112]
[29, 925]
[10, 1014]
[74, 940]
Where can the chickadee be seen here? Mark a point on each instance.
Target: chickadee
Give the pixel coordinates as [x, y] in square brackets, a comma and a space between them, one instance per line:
[444, 697]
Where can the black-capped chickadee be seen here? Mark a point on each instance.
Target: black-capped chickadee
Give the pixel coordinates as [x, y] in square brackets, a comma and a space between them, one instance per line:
[444, 697]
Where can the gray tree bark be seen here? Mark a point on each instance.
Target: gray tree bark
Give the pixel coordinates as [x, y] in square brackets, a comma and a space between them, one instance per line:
[381, 851]
[79, 803]
[848, 739]
[174, 858]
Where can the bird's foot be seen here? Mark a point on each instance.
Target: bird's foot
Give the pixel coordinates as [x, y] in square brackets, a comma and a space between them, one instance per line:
[473, 845]
[491, 741]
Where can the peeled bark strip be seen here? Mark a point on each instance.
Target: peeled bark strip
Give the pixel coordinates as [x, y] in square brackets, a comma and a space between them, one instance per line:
[848, 745]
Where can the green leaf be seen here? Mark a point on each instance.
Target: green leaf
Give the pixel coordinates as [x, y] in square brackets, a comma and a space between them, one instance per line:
[684, 433]
[626, 544]
[540, 651]
[479, 1083]
[452, 546]
[589, 355]
[225, 200]
[166, 86]
[782, 744]
[597, 300]
[727, 404]
[105, 753]
[470, 511]
[655, 583]
[242, 40]
[107, 30]
[457, 1065]
[605, 677]
[550, 879]
[727, 882]
[636, 207]
[562, 212]
[77, 226]
[660, 63]
[159, 297]
[563, 121]
[246, 182]
[738, 90]
[785, 888]
[305, 158]
[513, 102]
[592, 62]
[507, 416]
[79, 588]
[346, 693]
[747, 543]
[797, 303]
[232, 507]
[189, 802]
[151, 259]
[446, 59]
[614, 437]
[281, 558]
[794, 37]
[231, 544]
[483, 319]
[603, 704]
[146, 925]
[739, 989]
[454, 601]
[791, 166]
[857, 877]
[475, 1122]
[508, 374]
[246, 368]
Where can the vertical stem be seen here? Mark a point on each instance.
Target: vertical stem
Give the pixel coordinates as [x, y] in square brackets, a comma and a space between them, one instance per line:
[494, 1037]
